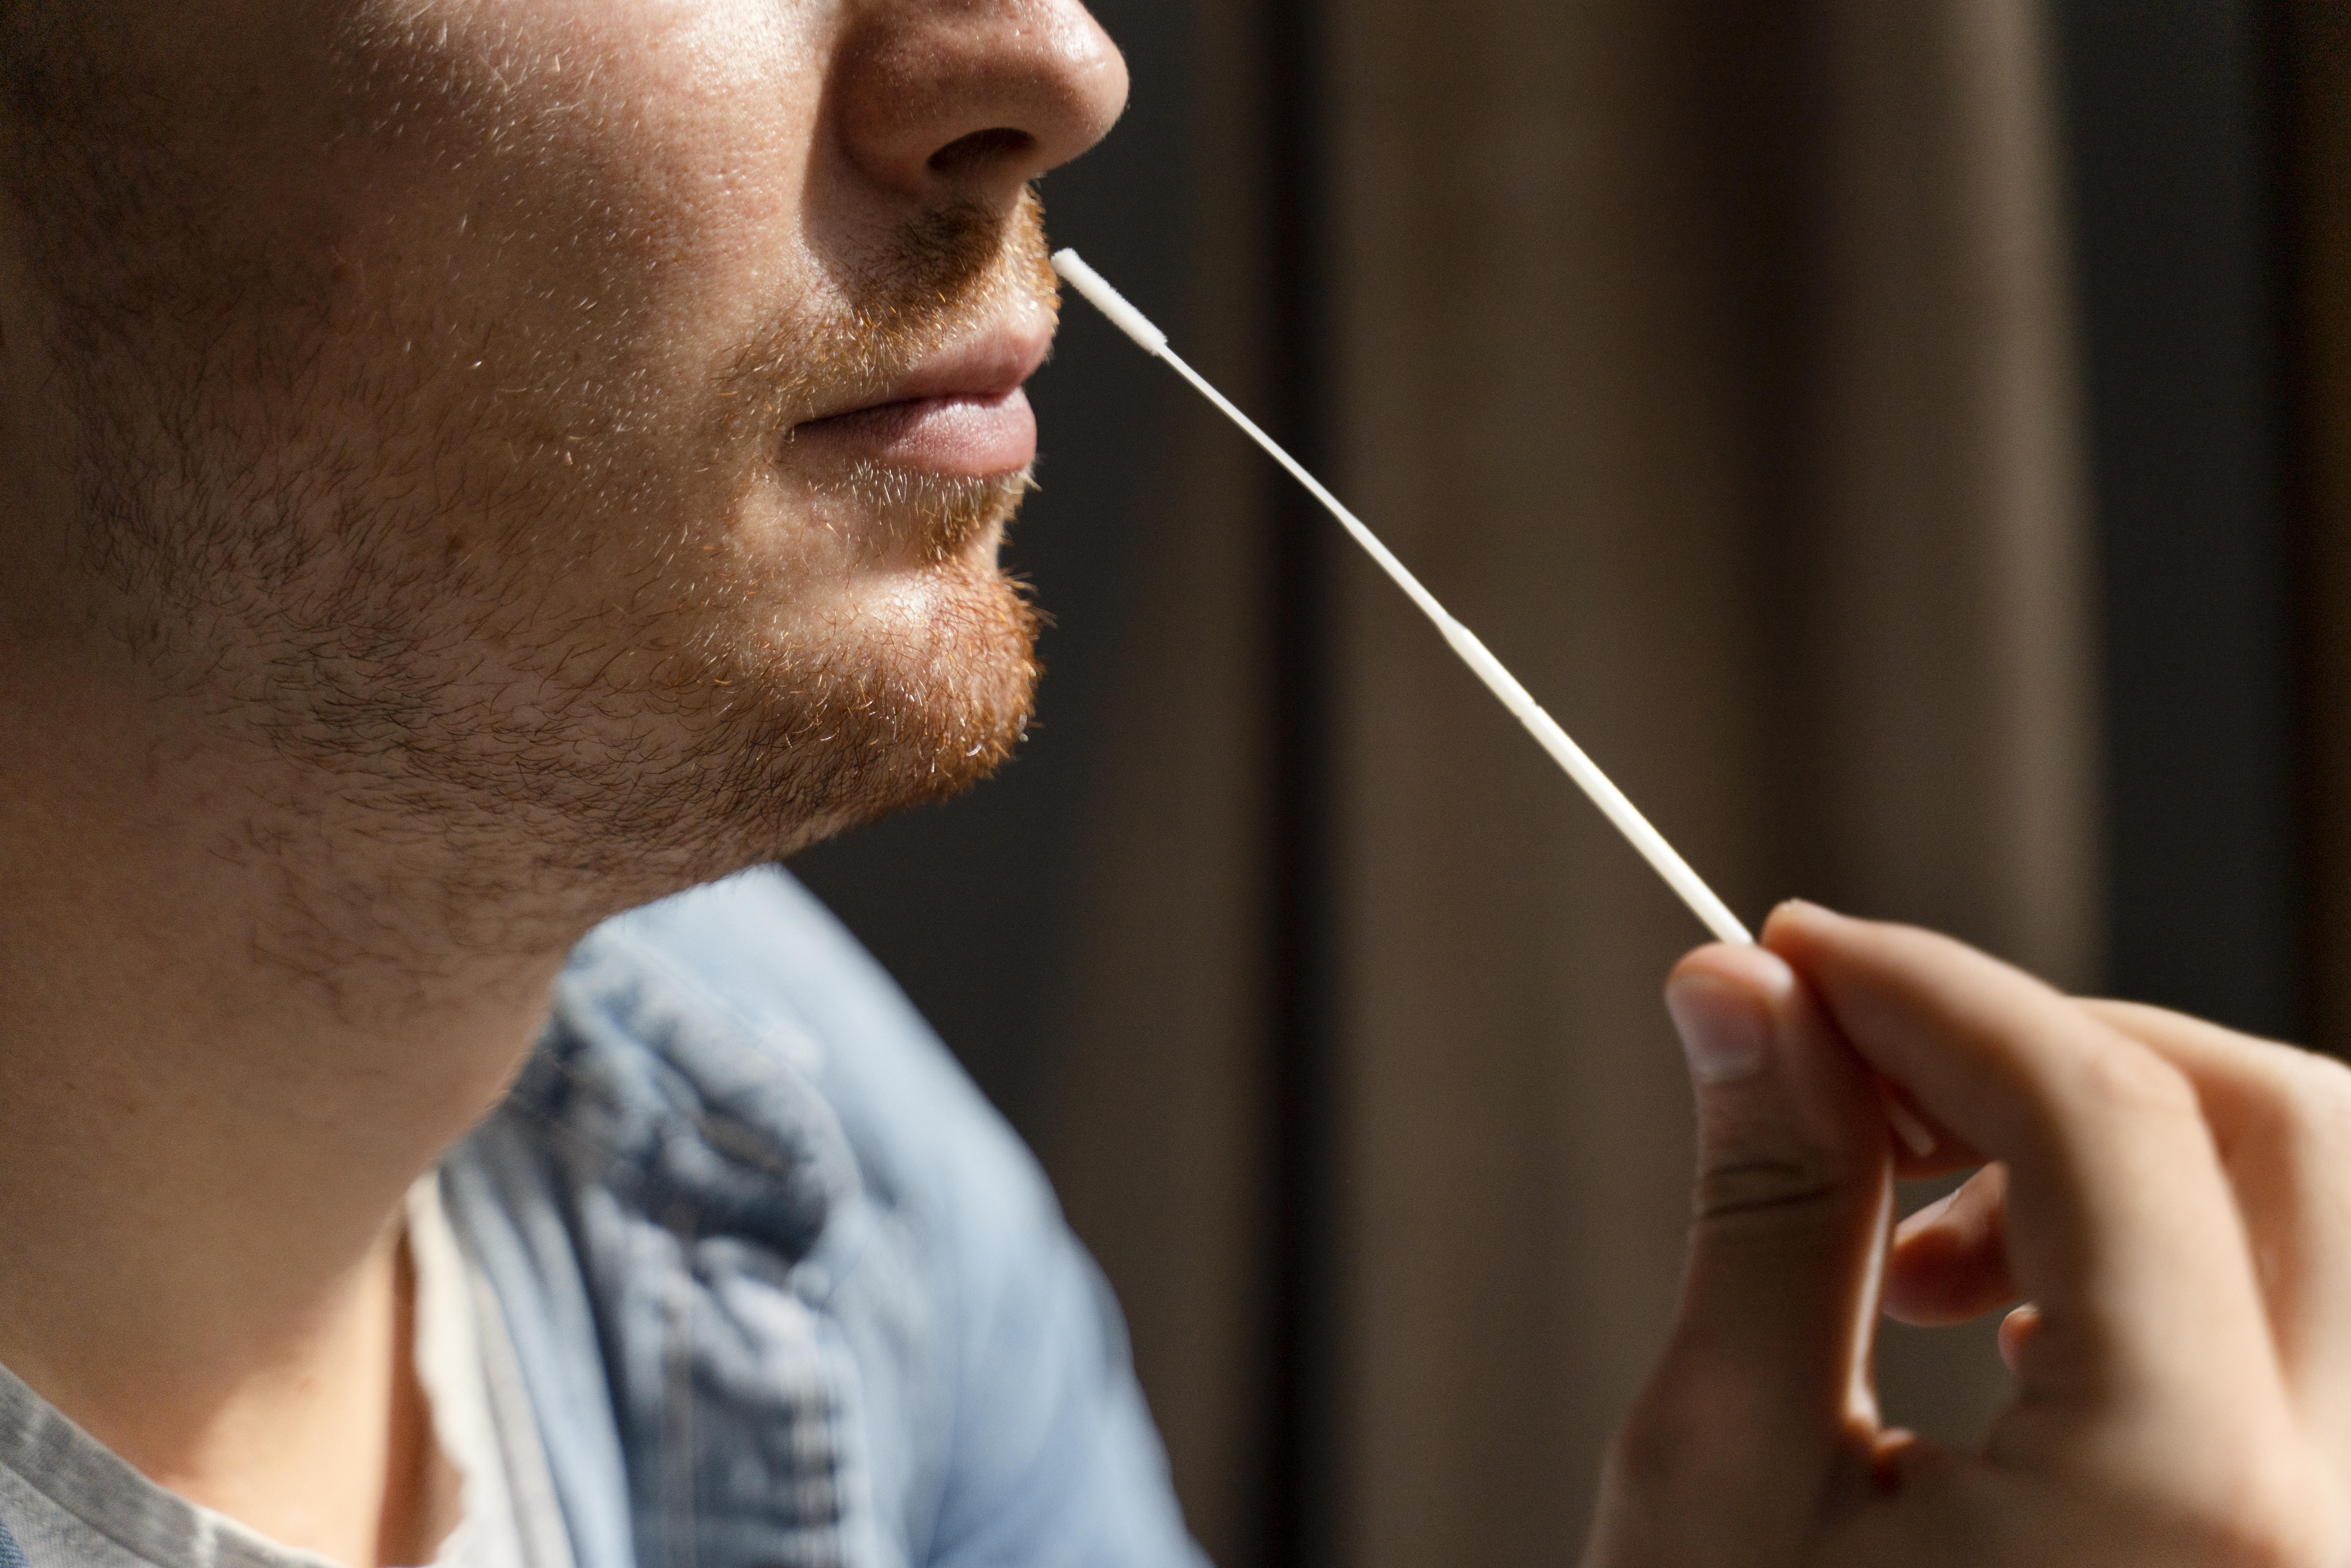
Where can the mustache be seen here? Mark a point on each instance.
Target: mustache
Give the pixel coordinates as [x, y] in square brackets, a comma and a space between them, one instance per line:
[945, 275]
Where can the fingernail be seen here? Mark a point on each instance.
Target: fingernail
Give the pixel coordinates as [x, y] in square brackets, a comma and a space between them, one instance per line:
[1725, 1033]
[1916, 1135]
[1913, 1224]
[1798, 909]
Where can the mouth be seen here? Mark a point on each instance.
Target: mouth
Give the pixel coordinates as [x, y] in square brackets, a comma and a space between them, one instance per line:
[959, 414]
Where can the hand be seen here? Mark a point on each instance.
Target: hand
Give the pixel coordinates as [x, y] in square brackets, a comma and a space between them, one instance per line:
[2172, 1198]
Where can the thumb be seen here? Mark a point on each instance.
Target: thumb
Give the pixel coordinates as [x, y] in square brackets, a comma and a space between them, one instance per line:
[1763, 1395]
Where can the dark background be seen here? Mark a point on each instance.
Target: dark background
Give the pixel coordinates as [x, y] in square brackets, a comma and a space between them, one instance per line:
[2175, 116]
[2180, 150]
[2174, 119]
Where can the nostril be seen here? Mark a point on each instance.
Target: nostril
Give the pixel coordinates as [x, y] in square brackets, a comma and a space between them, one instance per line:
[980, 150]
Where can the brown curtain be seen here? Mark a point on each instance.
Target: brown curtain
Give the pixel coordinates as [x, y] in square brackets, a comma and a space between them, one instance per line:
[1159, 1130]
[2318, 48]
[1714, 361]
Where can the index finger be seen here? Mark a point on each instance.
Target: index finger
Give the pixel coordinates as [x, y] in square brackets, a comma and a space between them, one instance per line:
[2121, 1223]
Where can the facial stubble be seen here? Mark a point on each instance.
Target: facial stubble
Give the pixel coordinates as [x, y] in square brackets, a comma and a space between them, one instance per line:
[277, 571]
[923, 707]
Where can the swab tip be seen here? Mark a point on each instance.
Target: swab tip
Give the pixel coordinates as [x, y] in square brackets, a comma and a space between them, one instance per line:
[1108, 301]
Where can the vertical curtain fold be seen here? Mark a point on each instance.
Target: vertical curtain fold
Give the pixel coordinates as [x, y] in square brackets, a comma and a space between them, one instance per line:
[1715, 362]
[2316, 38]
[1158, 1112]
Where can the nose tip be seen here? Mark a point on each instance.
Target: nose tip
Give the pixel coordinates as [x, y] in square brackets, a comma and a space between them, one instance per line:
[944, 101]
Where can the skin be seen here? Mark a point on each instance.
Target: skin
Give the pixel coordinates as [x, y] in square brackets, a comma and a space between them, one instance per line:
[2170, 1200]
[421, 546]
[430, 531]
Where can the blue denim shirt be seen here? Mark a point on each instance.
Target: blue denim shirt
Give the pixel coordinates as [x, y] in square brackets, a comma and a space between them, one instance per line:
[784, 1288]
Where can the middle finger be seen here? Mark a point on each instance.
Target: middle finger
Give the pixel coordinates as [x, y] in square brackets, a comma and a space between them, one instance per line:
[2282, 1121]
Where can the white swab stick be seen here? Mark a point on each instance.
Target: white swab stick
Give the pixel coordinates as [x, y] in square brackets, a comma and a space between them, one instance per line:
[1611, 800]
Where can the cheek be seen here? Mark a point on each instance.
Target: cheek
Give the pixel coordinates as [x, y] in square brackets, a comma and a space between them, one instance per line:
[564, 221]
[616, 181]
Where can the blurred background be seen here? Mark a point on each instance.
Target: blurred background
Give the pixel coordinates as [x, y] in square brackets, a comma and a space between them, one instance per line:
[1908, 444]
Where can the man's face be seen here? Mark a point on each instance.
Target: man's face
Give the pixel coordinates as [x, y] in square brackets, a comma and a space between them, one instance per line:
[598, 417]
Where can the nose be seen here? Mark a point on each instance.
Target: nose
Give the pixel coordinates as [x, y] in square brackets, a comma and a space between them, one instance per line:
[970, 99]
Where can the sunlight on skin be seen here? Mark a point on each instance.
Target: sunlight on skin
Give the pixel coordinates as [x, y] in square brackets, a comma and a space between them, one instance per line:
[474, 466]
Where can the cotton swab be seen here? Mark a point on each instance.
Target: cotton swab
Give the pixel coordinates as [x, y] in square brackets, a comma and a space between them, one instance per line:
[1611, 800]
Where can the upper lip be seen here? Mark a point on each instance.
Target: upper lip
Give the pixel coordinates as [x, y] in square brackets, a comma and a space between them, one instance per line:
[989, 365]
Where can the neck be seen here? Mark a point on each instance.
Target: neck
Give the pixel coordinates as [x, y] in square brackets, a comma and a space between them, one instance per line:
[222, 1075]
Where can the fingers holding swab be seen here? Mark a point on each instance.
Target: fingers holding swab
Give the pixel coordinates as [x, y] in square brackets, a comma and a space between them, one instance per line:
[1628, 820]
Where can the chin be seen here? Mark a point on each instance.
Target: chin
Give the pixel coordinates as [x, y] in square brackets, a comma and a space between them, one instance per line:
[903, 706]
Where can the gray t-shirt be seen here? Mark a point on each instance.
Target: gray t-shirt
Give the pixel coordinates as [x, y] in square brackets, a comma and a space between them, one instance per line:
[69, 1502]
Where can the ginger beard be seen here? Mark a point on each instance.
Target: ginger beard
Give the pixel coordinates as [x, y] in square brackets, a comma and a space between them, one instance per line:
[923, 680]
[526, 623]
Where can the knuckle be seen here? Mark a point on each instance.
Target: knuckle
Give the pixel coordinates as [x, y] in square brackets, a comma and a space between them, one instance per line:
[2315, 1093]
[2132, 1081]
[2268, 1540]
[1789, 1183]
[2261, 1512]
[1755, 1186]
[1755, 1159]
[2291, 1111]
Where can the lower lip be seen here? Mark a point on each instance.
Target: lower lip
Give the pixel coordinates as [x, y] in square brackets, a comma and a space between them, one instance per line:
[974, 437]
